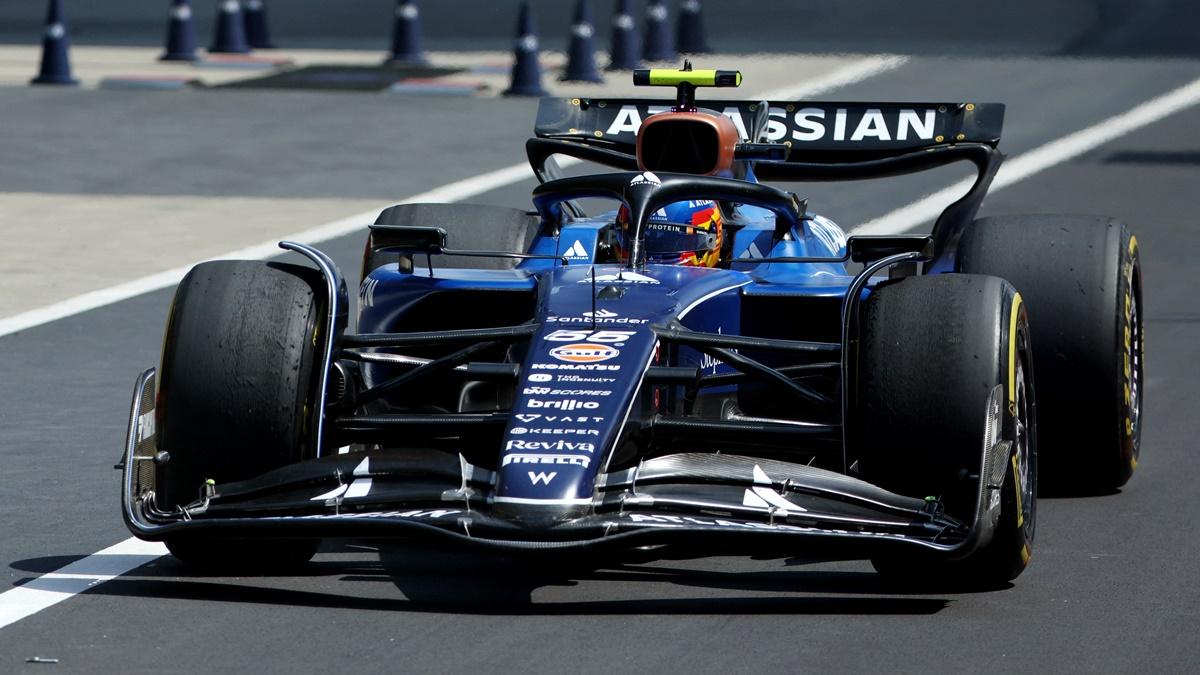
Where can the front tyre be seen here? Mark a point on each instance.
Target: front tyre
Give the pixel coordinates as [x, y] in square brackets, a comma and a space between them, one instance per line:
[945, 370]
[236, 388]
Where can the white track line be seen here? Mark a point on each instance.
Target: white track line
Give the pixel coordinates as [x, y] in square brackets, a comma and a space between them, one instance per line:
[54, 587]
[451, 192]
[1039, 159]
[842, 77]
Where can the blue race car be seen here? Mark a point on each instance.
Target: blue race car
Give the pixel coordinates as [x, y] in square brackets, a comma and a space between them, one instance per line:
[705, 365]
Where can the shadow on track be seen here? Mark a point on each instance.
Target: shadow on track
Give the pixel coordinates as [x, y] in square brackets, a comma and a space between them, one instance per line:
[433, 580]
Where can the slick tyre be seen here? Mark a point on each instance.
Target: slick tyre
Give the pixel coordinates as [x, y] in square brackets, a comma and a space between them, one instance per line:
[236, 384]
[944, 370]
[1081, 278]
[469, 227]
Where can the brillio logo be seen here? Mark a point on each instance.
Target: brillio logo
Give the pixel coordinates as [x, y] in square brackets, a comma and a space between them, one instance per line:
[583, 352]
[564, 405]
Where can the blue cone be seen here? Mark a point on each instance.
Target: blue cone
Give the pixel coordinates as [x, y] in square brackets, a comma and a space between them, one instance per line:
[623, 52]
[56, 59]
[689, 31]
[254, 15]
[526, 71]
[658, 45]
[406, 35]
[181, 34]
[229, 36]
[581, 55]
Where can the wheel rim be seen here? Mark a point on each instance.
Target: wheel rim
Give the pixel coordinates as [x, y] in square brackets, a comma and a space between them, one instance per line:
[1025, 453]
[1133, 355]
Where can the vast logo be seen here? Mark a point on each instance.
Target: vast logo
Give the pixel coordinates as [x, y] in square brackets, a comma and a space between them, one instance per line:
[583, 352]
[562, 419]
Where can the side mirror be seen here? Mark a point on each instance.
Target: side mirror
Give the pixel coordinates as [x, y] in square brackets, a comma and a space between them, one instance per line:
[869, 248]
[429, 240]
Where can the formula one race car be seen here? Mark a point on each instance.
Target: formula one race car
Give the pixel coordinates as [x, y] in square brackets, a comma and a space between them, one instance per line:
[697, 368]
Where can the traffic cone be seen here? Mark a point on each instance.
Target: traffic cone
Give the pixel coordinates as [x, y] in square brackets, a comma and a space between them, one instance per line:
[689, 31]
[581, 55]
[181, 34]
[229, 36]
[658, 46]
[254, 14]
[623, 51]
[406, 35]
[526, 71]
[56, 59]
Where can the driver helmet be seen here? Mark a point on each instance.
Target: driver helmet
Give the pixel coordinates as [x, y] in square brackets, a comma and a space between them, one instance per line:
[682, 233]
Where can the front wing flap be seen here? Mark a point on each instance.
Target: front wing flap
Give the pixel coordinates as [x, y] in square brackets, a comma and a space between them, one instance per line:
[743, 503]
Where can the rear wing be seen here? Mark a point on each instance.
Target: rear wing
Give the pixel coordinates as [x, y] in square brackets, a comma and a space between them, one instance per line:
[858, 130]
[798, 141]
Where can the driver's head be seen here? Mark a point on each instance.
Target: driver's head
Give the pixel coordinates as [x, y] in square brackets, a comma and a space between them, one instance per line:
[683, 233]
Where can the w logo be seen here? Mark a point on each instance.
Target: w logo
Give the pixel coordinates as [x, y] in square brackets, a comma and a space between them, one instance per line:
[542, 477]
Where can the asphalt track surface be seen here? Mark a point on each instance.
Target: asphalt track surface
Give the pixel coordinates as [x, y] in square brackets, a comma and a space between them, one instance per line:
[1112, 586]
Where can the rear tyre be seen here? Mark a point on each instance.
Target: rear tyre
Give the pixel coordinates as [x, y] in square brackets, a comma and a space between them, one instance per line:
[1082, 279]
[236, 388]
[938, 355]
[469, 227]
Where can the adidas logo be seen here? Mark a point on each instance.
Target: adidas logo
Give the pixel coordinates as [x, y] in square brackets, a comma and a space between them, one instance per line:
[751, 253]
[600, 314]
[576, 252]
[621, 278]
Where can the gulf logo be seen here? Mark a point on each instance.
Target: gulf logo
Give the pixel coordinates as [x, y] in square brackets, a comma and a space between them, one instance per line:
[584, 352]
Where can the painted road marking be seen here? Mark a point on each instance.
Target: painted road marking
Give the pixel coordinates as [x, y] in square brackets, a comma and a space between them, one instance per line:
[1039, 159]
[51, 589]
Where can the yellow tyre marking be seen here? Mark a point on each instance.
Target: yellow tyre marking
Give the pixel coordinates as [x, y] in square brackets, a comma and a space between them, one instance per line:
[1012, 352]
[1025, 555]
[1132, 244]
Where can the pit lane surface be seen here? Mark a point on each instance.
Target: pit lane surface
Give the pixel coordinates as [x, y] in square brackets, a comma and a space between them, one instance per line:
[1111, 586]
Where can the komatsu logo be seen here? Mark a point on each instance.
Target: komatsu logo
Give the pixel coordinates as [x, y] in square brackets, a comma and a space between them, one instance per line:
[814, 124]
